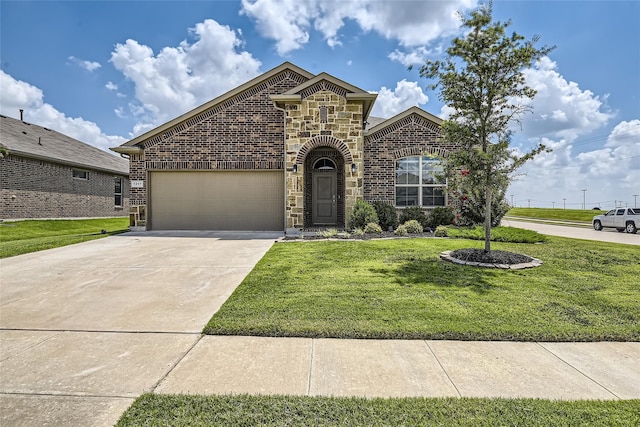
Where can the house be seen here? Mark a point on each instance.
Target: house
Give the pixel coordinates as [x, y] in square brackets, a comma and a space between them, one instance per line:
[45, 174]
[287, 150]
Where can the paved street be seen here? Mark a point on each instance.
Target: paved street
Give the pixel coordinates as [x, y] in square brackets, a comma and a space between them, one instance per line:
[607, 235]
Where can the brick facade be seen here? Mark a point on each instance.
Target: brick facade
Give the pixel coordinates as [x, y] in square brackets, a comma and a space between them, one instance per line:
[411, 136]
[245, 132]
[285, 120]
[39, 189]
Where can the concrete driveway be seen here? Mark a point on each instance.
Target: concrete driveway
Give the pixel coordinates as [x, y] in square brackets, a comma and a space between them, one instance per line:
[86, 328]
[607, 235]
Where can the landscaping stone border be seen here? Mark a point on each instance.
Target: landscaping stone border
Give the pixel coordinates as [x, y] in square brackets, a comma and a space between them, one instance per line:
[535, 262]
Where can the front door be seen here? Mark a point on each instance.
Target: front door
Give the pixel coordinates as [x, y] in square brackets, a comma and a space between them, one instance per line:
[324, 193]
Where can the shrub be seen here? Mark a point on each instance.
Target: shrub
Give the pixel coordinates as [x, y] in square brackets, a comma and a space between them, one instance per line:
[362, 214]
[387, 215]
[358, 232]
[440, 216]
[470, 210]
[372, 228]
[401, 231]
[414, 212]
[329, 232]
[441, 231]
[413, 227]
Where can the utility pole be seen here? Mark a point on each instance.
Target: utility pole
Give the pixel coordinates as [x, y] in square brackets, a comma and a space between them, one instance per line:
[584, 199]
[512, 200]
[564, 203]
[634, 200]
[553, 205]
[529, 201]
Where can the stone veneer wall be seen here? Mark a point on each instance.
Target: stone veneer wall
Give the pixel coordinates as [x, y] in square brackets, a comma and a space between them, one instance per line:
[39, 189]
[304, 132]
[411, 136]
[244, 132]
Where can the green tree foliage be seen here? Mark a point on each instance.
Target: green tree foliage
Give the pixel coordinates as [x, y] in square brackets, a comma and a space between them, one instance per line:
[481, 78]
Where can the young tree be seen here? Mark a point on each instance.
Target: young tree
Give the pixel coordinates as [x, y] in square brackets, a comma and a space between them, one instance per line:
[481, 79]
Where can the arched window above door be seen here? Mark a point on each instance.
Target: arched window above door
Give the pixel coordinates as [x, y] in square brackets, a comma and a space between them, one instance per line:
[324, 164]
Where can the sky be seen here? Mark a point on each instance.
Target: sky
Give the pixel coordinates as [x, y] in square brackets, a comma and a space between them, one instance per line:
[104, 72]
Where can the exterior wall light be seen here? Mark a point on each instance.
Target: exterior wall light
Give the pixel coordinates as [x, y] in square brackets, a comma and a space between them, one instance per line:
[353, 168]
[295, 168]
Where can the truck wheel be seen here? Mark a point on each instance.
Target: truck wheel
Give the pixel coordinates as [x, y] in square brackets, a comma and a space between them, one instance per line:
[597, 225]
[620, 230]
[631, 227]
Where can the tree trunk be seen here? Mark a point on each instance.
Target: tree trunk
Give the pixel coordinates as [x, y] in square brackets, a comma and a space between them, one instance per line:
[487, 217]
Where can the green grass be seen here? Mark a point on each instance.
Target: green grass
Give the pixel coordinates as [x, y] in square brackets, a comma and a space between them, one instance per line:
[22, 237]
[243, 410]
[498, 234]
[578, 215]
[400, 289]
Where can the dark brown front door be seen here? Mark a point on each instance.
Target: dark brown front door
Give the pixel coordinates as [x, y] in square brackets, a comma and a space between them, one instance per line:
[324, 198]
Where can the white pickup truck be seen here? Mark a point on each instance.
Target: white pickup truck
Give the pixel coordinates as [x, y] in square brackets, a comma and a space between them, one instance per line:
[622, 219]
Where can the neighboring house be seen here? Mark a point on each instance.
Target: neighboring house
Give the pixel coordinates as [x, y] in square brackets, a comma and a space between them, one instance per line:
[45, 174]
[287, 150]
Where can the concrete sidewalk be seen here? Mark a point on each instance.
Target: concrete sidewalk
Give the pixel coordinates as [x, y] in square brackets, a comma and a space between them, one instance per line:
[407, 368]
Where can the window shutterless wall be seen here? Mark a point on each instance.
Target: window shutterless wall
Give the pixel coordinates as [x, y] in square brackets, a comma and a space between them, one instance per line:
[39, 189]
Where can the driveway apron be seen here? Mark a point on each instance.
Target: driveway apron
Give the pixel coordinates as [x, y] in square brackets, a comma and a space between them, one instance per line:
[86, 328]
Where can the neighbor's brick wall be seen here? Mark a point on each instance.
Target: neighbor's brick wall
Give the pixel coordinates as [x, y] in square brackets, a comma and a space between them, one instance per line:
[342, 130]
[32, 188]
[411, 136]
[245, 132]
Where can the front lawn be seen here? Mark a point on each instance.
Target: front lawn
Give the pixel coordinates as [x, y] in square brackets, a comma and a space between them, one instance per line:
[181, 410]
[400, 289]
[555, 214]
[22, 237]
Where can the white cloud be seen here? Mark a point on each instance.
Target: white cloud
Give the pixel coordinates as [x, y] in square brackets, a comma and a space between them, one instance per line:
[412, 23]
[286, 21]
[17, 94]
[87, 65]
[391, 102]
[177, 79]
[415, 56]
[111, 86]
[560, 108]
[610, 172]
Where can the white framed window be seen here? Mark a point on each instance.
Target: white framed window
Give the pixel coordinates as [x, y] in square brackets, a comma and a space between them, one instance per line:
[117, 192]
[80, 174]
[419, 183]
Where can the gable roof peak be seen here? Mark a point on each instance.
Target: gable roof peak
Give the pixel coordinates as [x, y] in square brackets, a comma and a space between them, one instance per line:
[132, 146]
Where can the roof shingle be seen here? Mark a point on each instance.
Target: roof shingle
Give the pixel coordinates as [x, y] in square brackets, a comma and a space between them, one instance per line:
[29, 140]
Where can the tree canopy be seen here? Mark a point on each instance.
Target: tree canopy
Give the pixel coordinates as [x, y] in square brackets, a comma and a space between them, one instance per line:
[481, 80]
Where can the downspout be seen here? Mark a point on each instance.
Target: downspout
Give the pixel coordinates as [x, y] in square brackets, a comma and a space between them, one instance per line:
[284, 161]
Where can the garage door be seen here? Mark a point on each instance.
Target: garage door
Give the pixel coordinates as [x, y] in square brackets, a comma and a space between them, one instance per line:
[221, 200]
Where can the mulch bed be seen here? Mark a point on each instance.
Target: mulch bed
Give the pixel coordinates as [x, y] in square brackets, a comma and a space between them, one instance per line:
[491, 257]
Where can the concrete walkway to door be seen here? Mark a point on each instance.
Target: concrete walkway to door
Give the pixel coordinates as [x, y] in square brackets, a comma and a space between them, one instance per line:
[86, 328]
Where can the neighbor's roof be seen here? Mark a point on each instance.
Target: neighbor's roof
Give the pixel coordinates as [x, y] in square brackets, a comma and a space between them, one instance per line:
[29, 140]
